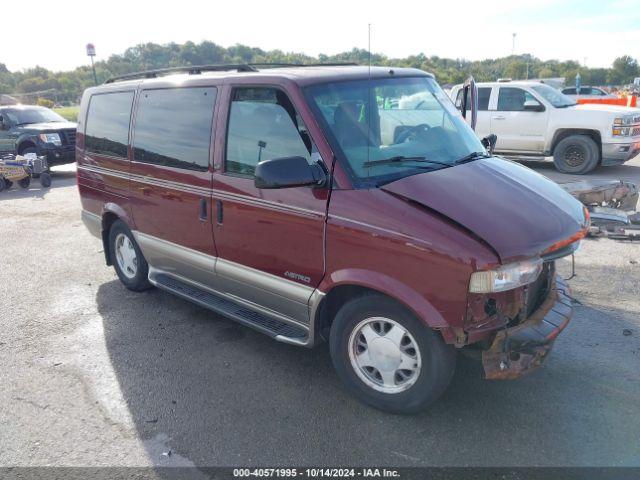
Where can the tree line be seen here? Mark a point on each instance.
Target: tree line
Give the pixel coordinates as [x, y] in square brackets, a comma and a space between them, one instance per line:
[67, 87]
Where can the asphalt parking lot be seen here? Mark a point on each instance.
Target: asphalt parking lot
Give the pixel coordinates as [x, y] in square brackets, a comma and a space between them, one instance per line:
[93, 374]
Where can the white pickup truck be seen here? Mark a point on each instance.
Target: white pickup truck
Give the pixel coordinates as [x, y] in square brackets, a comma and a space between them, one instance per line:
[533, 120]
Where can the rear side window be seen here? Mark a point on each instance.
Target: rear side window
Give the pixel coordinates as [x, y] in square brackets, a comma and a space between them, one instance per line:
[173, 127]
[263, 124]
[107, 125]
[484, 93]
[569, 91]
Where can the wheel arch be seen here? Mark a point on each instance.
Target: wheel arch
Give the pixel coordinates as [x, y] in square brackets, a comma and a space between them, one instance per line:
[563, 133]
[110, 213]
[24, 144]
[342, 286]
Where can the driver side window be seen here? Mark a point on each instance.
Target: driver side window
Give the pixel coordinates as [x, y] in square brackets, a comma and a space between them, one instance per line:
[263, 125]
[512, 99]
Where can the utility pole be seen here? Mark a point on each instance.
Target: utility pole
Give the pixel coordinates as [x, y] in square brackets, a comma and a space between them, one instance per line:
[91, 52]
[513, 43]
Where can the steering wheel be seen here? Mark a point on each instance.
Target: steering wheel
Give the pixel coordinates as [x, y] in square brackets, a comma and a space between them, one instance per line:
[413, 131]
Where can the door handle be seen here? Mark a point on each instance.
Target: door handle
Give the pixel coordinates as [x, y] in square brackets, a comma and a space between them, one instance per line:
[498, 118]
[203, 210]
[219, 211]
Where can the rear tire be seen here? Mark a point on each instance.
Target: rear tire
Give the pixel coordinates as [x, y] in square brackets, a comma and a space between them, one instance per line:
[129, 263]
[391, 338]
[3, 184]
[576, 154]
[7, 184]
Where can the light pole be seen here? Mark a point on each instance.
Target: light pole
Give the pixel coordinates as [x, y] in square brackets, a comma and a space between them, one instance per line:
[513, 43]
[91, 52]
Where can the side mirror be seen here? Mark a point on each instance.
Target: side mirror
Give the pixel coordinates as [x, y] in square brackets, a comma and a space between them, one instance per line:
[533, 106]
[289, 172]
[489, 142]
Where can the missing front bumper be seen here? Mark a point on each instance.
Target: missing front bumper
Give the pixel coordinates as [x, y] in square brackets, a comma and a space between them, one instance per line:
[519, 350]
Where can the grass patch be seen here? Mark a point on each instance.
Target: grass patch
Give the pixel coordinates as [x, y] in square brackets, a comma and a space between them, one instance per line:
[70, 113]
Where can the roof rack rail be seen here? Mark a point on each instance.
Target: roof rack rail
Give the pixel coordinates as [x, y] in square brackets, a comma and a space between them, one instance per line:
[279, 65]
[198, 69]
[191, 70]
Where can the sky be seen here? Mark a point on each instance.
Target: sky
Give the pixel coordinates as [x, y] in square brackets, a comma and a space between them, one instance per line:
[592, 31]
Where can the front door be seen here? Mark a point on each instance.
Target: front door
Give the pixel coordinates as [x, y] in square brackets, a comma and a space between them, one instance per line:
[518, 128]
[483, 119]
[270, 242]
[7, 138]
[170, 181]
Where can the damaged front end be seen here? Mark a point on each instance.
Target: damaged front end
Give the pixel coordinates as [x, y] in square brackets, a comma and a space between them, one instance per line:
[518, 327]
[520, 349]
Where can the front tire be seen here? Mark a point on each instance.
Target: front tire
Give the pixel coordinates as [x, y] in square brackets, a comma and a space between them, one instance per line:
[387, 357]
[129, 263]
[45, 179]
[3, 184]
[576, 154]
[25, 182]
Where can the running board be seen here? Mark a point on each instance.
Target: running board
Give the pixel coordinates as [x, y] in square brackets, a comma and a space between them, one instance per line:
[277, 329]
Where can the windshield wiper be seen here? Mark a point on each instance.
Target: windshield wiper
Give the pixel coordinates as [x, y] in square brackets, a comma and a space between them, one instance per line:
[402, 159]
[471, 157]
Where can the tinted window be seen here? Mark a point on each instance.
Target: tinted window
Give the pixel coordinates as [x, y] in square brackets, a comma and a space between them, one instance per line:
[511, 99]
[263, 124]
[484, 94]
[569, 91]
[107, 130]
[173, 127]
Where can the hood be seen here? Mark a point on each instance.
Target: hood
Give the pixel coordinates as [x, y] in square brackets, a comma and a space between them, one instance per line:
[49, 126]
[515, 210]
[603, 107]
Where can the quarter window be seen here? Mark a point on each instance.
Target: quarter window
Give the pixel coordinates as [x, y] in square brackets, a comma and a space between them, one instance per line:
[263, 124]
[511, 99]
[107, 126]
[173, 127]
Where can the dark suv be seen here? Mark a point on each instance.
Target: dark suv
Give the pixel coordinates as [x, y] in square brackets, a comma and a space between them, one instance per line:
[32, 129]
[336, 203]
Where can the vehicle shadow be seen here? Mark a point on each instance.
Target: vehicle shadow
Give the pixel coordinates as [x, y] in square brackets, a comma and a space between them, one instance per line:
[59, 179]
[221, 394]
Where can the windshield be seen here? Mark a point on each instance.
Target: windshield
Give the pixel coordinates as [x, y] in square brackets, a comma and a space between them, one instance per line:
[412, 122]
[33, 115]
[553, 96]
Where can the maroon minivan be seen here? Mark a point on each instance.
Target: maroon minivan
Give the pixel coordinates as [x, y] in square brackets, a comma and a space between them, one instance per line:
[335, 203]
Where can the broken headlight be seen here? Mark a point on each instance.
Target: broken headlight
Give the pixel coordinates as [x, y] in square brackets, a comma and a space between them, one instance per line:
[506, 277]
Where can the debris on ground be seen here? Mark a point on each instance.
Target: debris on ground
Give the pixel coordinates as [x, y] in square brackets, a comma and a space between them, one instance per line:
[604, 193]
[611, 204]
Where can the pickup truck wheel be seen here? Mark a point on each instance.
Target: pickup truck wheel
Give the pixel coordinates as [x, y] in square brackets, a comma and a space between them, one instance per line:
[387, 357]
[577, 154]
[128, 261]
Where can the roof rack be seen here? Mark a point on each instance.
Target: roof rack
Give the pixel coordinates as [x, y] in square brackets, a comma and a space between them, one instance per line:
[191, 70]
[198, 69]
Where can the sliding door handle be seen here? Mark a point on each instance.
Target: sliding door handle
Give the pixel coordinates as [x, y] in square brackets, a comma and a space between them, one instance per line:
[203, 210]
[219, 211]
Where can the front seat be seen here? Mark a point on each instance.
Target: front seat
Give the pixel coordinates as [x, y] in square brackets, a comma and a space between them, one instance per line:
[349, 131]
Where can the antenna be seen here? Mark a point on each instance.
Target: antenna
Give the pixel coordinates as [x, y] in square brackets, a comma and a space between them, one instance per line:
[368, 112]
